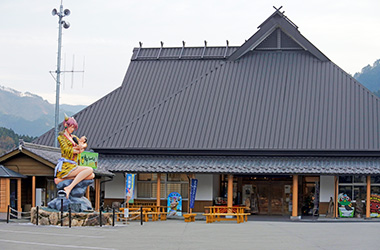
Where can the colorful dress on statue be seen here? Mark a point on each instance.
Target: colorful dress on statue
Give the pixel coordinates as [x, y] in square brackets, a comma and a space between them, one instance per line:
[68, 161]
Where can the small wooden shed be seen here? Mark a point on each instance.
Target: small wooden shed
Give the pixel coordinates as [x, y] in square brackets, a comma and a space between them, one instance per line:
[10, 190]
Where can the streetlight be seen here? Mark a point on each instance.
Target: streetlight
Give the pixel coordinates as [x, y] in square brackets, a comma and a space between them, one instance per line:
[61, 23]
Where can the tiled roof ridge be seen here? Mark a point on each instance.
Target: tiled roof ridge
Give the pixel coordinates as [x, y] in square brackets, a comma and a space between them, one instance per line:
[182, 54]
[39, 146]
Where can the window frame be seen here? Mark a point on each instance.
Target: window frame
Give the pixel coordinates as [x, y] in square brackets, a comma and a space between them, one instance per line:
[164, 185]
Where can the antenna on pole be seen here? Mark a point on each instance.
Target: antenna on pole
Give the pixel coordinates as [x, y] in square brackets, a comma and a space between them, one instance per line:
[61, 23]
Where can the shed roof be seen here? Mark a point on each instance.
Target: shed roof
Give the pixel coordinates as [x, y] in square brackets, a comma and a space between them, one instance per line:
[276, 92]
[7, 173]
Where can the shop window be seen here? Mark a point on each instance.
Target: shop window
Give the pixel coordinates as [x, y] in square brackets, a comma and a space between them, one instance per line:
[149, 177]
[375, 179]
[375, 190]
[177, 177]
[147, 185]
[356, 186]
[144, 177]
[346, 190]
[359, 192]
[345, 179]
[154, 190]
[144, 190]
[360, 179]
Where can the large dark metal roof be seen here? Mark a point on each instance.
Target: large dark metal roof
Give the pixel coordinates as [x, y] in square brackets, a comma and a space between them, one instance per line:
[275, 92]
[242, 164]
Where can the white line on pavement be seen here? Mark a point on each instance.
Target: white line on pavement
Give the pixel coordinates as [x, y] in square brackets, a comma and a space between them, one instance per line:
[55, 245]
[53, 234]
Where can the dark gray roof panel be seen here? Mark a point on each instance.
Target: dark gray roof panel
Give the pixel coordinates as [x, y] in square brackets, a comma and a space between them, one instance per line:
[267, 100]
[242, 165]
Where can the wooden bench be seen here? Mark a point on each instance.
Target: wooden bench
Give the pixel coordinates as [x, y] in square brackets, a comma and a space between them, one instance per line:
[189, 217]
[221, 213]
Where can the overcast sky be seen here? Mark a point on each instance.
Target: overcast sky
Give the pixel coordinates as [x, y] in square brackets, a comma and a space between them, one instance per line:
[105, 33]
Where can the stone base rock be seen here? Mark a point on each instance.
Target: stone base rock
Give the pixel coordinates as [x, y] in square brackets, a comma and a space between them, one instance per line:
[76, 200]
[47, 216]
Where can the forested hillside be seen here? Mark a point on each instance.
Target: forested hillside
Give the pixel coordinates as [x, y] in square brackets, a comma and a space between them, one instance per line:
[9, 139]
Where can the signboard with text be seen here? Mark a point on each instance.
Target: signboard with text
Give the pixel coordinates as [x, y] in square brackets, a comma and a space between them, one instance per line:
[193, 191]
[130, 188]
[88, 159]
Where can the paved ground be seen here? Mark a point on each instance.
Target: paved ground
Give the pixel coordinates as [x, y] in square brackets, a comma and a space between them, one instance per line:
[176, 234]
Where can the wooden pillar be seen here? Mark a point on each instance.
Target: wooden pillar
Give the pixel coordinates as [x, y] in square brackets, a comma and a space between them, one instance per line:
[230, 190]
[97, 194]
[188, 194]
[33, 191]
[368, 201]
[336, 190]
[19, 195]
[158, 202]
[295, 196]
[7, 193]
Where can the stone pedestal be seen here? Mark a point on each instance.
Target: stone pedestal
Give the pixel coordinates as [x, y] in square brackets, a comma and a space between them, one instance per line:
[76, 200]
[48, 216]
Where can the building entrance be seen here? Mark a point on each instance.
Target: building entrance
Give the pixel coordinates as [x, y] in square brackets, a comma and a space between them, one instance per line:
[273, 194]
[271, 199]
[13, 196]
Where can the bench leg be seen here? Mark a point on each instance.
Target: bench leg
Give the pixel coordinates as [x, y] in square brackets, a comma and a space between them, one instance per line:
[163, 216]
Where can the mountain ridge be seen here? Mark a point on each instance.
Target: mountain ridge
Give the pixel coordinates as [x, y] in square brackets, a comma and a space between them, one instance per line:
[28, 113]
[370, 77]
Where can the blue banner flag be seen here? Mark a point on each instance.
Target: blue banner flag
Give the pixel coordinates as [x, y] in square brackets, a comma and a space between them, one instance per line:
[130, 187]
[193, 191]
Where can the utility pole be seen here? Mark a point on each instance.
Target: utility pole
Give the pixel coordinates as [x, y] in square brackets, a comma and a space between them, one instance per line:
[61, 23]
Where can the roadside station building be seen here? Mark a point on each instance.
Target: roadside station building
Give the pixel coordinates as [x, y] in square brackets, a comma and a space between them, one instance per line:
[272, 124]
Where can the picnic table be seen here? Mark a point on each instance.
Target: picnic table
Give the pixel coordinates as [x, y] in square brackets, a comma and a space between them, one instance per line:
[153, 212]
[225, 213]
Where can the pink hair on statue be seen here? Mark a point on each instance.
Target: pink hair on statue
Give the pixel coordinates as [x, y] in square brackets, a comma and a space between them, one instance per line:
[70, 122]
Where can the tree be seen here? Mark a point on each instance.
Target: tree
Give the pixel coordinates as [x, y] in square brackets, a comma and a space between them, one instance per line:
[6, 144]
[9, 139]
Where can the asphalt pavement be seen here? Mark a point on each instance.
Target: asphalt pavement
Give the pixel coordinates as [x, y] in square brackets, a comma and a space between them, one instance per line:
[176, 234]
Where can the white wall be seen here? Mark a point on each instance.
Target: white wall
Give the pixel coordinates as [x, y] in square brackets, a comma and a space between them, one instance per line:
[205, 187]
[326, 188]
[115, 189]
